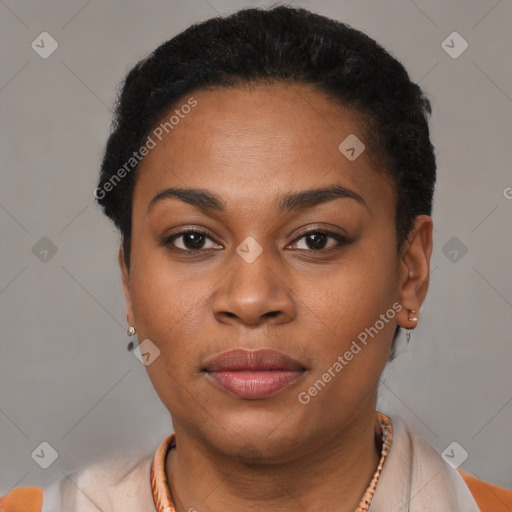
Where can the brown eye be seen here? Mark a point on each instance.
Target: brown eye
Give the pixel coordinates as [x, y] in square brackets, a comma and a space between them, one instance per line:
[318, 240]
[192, 240]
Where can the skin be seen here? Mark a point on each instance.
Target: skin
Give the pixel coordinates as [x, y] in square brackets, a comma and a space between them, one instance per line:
[250, 147]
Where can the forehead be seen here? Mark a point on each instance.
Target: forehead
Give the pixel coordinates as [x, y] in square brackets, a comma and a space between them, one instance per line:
[258, 142]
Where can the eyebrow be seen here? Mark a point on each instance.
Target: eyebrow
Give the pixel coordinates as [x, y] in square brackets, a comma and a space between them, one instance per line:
[306, 199]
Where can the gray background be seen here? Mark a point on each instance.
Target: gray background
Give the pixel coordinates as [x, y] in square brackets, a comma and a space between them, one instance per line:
[66, 376]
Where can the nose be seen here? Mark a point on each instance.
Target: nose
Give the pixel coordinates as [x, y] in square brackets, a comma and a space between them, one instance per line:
[253, 293]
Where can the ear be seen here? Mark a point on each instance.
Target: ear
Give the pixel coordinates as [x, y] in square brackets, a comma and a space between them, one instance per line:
[125, 276]
[414, 270]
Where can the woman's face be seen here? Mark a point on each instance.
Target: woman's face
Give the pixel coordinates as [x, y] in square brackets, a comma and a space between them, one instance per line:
[259, 273]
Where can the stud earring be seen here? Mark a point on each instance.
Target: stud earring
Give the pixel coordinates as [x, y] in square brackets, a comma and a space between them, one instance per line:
[131, 332]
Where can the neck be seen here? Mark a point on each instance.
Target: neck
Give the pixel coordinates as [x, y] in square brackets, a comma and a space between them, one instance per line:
[332, 477]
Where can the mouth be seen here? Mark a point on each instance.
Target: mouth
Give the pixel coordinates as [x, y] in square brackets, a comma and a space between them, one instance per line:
[253, 374]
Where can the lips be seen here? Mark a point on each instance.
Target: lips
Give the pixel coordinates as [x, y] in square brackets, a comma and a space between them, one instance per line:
[253, 374]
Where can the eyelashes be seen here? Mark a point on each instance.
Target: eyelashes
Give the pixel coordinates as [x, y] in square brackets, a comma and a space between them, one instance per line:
[324, 234]
[169, 241]
[197, 238]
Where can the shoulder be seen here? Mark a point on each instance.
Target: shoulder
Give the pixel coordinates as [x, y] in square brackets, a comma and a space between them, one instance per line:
[489, 497]
[119, 484]
[415, 468]
[28, 499]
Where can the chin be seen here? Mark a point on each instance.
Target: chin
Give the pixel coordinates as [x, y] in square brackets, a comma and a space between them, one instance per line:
[257, 436]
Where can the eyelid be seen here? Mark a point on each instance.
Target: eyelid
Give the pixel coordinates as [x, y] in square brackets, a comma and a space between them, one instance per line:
[167, 240]
[341, 239]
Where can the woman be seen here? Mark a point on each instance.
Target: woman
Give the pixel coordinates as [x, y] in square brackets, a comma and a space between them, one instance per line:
[272, 176]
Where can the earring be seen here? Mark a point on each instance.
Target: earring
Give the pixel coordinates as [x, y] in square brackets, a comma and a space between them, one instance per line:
[131, 332]
[412, 319]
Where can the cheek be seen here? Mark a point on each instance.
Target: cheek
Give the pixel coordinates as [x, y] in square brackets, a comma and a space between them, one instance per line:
[166, 311]
[354, 306]
[358, 290]
[351, 323]
[351, 347]
[162, 300]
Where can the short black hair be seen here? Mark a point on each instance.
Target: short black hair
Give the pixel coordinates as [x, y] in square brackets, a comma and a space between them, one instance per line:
[265, 46]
